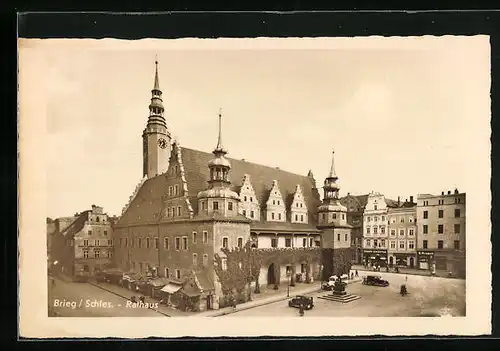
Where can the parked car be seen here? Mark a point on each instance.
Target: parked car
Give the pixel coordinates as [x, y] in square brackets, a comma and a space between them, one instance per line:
[331, 281]
[305, 301]
[375, 280]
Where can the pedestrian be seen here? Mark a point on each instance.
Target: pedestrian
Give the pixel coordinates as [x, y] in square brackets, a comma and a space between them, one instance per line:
[301, 310]
[357, 274]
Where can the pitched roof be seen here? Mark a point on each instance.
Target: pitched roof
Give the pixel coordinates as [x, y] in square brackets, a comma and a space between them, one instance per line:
[283, 226]
[76, 226]
[361, 200]
[147, 204]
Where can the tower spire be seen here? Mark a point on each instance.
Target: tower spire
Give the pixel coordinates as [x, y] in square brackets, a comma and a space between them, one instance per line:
[157, 80]
[332, 168]
[219, 146]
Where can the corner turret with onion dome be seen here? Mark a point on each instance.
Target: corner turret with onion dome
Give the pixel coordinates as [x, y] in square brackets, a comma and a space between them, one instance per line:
[331, 211]
[219, 199]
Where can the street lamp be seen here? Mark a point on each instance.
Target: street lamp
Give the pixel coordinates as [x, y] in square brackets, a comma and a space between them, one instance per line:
[288, 274]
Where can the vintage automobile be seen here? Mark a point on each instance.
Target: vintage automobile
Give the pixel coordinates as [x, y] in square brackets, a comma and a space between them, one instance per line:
[375, 280]
[331, 281]
[305, 301]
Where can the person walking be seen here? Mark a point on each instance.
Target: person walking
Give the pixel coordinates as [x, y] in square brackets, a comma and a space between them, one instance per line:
[357, 274]
[301, 310]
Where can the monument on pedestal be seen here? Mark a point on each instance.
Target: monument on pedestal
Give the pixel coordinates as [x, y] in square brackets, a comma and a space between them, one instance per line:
[340, 294]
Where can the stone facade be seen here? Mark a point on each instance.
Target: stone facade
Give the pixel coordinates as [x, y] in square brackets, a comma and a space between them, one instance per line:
[402, 248]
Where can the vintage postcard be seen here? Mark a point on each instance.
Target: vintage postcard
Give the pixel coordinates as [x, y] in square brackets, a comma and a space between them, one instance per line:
[254, 187]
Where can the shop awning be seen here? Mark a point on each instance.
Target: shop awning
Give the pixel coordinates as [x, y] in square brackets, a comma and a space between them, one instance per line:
[171, 288]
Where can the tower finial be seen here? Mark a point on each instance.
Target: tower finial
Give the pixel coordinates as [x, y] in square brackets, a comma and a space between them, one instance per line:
[157, 80]
[219, 140]
[332, 168]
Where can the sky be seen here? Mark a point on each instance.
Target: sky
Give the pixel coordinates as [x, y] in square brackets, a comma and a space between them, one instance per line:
[402, 114]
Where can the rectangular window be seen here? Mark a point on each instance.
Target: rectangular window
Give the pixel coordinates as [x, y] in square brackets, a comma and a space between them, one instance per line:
[168, 212]
[147, 243]
[296, 218]
[401, 232]
[393, 232]
[97, 253]
[393, 244]
[170, 191]
[457, 213]
[382, 230]
[424, 244]
[304, 242]
[139, 242]
[230, 206]
[302, 218]
[368, 230]
[440, 228]
[195, 259]
[311, 242]
[338, 237]
[194, 237]
[205, 237]
[440, 244]
[251, 214]
[167, 272]
[177, 243]
[411, 244]
[274, 242]
[375, 219]
[205, 260]
[426, 214]
[345, 237]
[165, 243]
[90, 232]
[178, 273]
[203, 205]
[173, 211]
[224, 264]
[440, 213]
[110, 253]
[85, 243]
[402, 220]
[411, 232]
[132, 242]
[368, 242]
[126, 242]
[383, 218]
[425, 229]
[85, 253]
[401, 245]
[110, 242]
[457, 228]
[456, 244]
[334, 216]
[225, 242]
[176, 189]
[106, 232]
[184, 242]
[240, 242]
[245, 213]
[216, 205]
[178, 211]
[382, 244]
[288, 242]
[272, 215]
[375, 230]
[156, 243]
[279, 216]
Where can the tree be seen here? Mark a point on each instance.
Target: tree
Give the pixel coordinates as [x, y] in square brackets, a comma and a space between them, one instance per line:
[238, 268]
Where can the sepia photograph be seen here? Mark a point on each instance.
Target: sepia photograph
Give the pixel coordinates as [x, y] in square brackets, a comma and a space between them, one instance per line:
[294, 181]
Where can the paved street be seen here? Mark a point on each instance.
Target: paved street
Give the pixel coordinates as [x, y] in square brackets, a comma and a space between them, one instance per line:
[85, 300]
[428, 296]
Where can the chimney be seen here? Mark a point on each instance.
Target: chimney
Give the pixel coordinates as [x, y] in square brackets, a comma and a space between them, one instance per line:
[449, 192]
[456, 191]
[348, 194]
[411, 199]
[399, 200]
[442, 192]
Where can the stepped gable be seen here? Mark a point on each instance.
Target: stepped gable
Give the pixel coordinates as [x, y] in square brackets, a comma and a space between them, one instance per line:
[197, 174]
[147, 204]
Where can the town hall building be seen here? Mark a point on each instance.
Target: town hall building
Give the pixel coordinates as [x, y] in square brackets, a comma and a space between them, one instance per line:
[192, 205]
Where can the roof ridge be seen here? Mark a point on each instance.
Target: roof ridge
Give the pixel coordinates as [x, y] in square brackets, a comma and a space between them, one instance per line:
[253, 163]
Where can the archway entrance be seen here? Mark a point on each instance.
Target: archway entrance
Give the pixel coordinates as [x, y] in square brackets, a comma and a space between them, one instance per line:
[271, 278]
[412, 262]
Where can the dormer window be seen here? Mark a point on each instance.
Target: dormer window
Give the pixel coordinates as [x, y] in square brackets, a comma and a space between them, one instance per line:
[245, 198]
[274, 202]
[251, 199]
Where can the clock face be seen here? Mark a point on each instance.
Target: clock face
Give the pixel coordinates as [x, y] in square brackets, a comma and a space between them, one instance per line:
[162, 143]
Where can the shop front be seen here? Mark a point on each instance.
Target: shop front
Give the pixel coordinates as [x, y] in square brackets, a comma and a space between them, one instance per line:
[375, 257]
[425, 259]
[401, 259]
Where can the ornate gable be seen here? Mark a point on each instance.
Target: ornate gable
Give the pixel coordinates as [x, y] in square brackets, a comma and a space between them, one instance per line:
[249, 203]
[298, 208]
[275, 206]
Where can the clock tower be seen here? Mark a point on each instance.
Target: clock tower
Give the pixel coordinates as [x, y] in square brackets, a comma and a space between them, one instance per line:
[156, 137]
